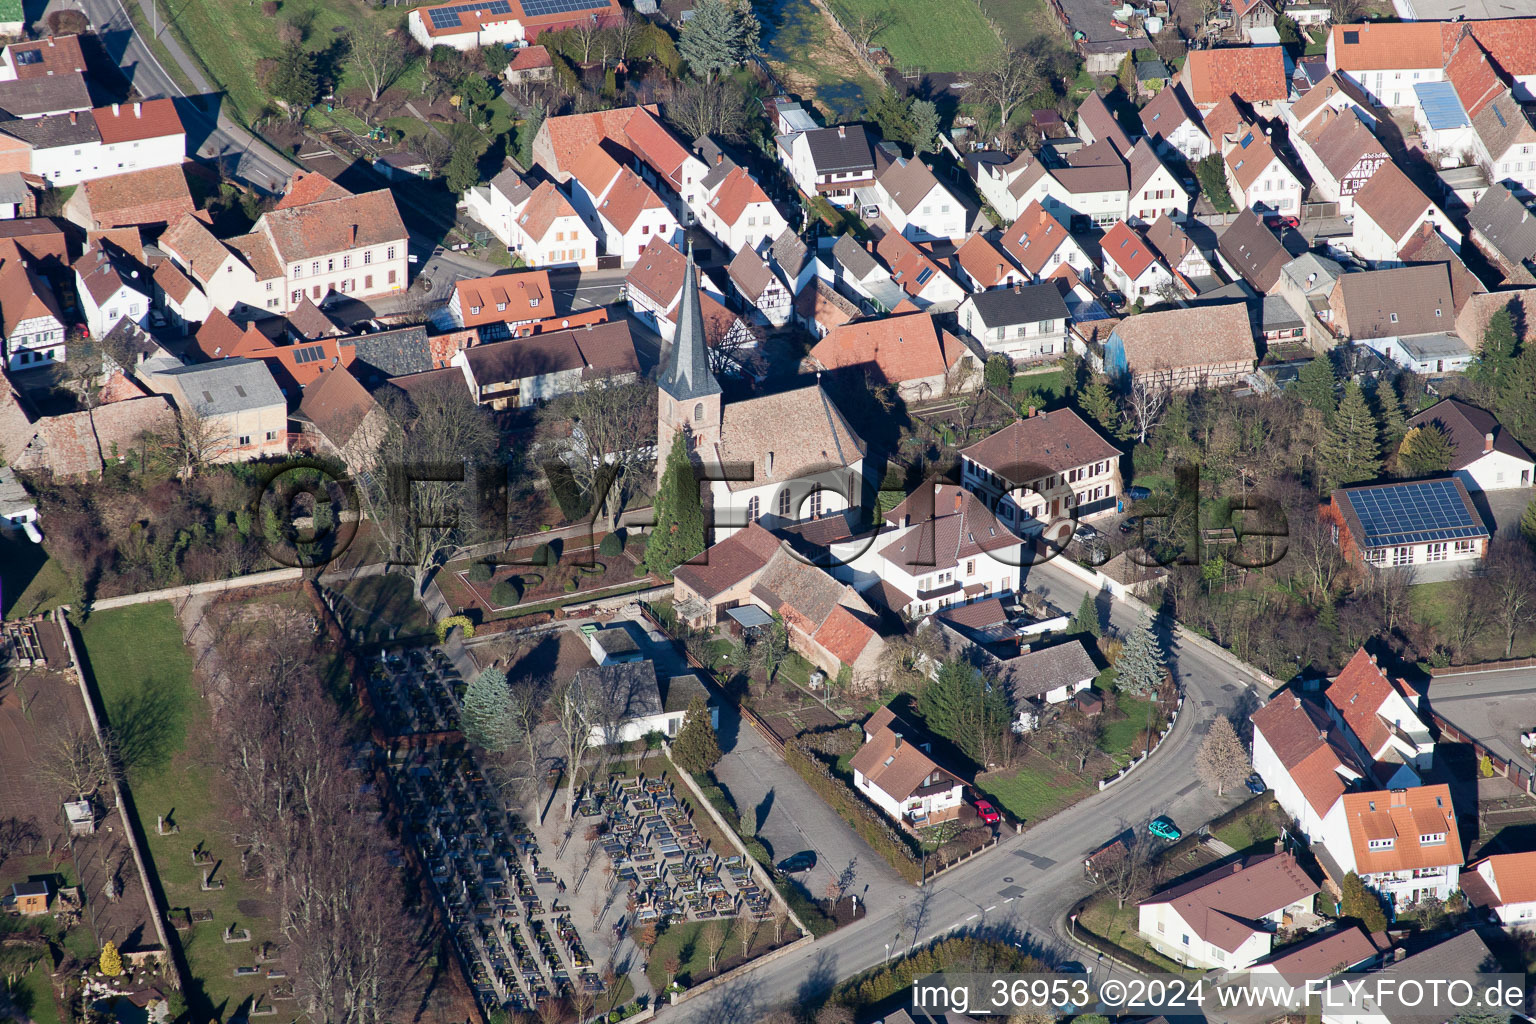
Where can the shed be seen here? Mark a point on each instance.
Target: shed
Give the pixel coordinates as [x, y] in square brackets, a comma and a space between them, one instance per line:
[31, 897]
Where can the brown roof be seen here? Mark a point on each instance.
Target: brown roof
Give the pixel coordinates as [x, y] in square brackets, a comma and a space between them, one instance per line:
[1468, 427]
[895, 348]
[1341, 142]
[176, 285]
[1170, 240]
[1199, 336]
[1252, 73]
[1396, 302]
[890, 758]
[908, 182]
[1514, 876]
[597, 349]
[218, 337]
[1032, 238]
[158, 195]
[528, 58]
[751, 276]
[1050, 442]
[1170, 108]
[658, 273]
[1093, 114]
[1321, 956]
[732, 561]
[1403, 816]
[525, 295]
[802, 429]
[1310, 746]
[1036, 673]
[57, 55]
[256, 249]
[337, 404]
[50, 94]
[1426, 246]
[1126, 249]
[1357, 694]
[190, 240]
[1143, 163]
[1224, 905]
[1386, 46]
[1254, 250]
[572, 133]
[39, 238]
[819, 303]
[1320, 94]
[545, 206]
[71, 445]
[907, 263]
[305, 187]
[329, 226]
[957, 526]
[1393, 201]
[986, 264]
[132, 122]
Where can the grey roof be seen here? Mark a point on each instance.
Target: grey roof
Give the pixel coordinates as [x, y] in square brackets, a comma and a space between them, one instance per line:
[511, 185]
[13, 497]
[1254, 250]
[1278, 315]
[391, 353]
[1434, 345]
[13, 187]
[1506, 222]
[54, 130]
[1464, 956]
[622, 692]
[715, 158]
[1468, 427]
[1312, 273]
[857, 260]
[46, 94]
[228, 385]
[789, 254]
[1151, 71]
[615, 640]
[843, 148]
[1022, 304]
[678, 691]
[1038, 672]
[686, 375]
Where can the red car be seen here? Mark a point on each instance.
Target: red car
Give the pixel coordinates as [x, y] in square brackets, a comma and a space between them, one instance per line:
[1274, 220]
[987, 813]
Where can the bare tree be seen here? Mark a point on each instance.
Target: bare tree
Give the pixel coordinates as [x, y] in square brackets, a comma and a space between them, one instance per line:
[713, 938]
[73, 762]
[1344, 12]
[18, 834]
[777, 916]
[867, 24]
[1129, 875]
[1221, 760]
[1394, 591]
[707, 107]
[735, 346]
[1507, 588]
[610, 447]
[581, 722]
[587, 33]
[191, 442]
[1146, 400]
[1467, 619]
[1078, 736]
[376, 54]
[423, 499]
[624, 33]
[1009, 78]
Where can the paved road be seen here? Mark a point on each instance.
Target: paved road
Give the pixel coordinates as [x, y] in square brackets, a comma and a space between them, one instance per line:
[211, 135]
[1021, 889]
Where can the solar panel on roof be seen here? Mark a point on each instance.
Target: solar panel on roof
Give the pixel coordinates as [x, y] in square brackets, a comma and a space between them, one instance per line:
[448, 17]
[1415, 513]
[537, 8]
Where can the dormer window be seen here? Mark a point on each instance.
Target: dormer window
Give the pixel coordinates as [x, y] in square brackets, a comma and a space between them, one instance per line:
[474, 310]
[1432, 839]
[501, 307]
[1381, 844]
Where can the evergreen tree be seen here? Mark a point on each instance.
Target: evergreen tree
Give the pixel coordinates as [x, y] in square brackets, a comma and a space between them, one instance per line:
[1362, 904]
[720, 35]
[111, 962]
[1516, 405]
[1141, 668]
[892, 114]
[1387, 404]
[679, 531]
[463, 170]
[924, 118]
[1098, 401]
[1349, 452]
[997, 373]
[1497, 352]
[486, 711]
[295, 80]
[1316, 384]
[1528, 523]
[1425, 451]
[1087, 618]
[697, 749]
[960, 706]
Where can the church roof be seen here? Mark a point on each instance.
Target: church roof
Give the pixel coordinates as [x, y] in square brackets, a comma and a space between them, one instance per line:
[686, 376]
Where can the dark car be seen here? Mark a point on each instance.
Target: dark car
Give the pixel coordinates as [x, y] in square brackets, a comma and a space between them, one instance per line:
[1130, 525]
[1137, 493]
[1255, 783]
[802, 861]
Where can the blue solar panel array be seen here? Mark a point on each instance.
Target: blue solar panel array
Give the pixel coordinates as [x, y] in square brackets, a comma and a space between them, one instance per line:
[448, 17]
[537, 8]
[1414, 513]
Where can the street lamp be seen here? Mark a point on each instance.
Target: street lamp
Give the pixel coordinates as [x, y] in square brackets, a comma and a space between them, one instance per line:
[1074, 926]
[887, 952]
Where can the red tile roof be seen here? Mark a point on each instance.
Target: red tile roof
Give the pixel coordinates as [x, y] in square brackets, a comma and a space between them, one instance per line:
[890, 758]
[132, 122]
[158, 195]
[627, 200]
[570, 134]
[1511, 42]
[728, 563]
[60, 55]
[505, 298]
[1402, 816]
[736, 193]
[1514, 876]
[1032, 238]
[1127, 250]
[333, 225]
[1310, 748]
[656, 146]
[1386, 46]
[1473, 76]
[305, 187]
[894, 348]
[909, 265]
[529, 58]
[983, 261]
[844, 636]
[1255, 74]
[545, 206]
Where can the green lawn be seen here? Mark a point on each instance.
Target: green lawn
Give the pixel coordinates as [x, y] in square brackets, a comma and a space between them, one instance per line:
[30, 581]
[683, 941]
[1241, 833]
[1036, 790]
[37, 999]
[1023, 21]
[1119, 738]
[1050, 383]
[1119, 925]
[143, 673]
[936, 35]
[1431, 605]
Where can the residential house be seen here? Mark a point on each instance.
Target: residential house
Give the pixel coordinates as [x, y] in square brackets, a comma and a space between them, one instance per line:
[111, 285]
[633, 700]
[857, 274]
[77, 444]
[1307, 282]
[740, 214]
[1155, 191]
[1484, 456]
[654, 287]
[1227, 917]
[1383, 716]
[1503, 138]
[827, 621]
[1463, 957]
[908, 351]
[1248, 15]
[1308, 763]
[1251, 250]
[31, 317]
[759, 288]
[1428, 247]
[529, 64]
[45, 96]
[722, 577]
[1038, 243]
[1133, 268]
[667, 164]
[178, 298]
[1405, 313]
[1043, 467]
[67, 149]
[1024, 323]
[1402, 843]
[474, 26]
[239, 401]
[1256, 75]
[1178, 251]
[345, 418]
[149, 198]
[1174, 126]
[1049, 675]
[1341, 154]
[1386, 59]
[521, 372]
[1505, 885]
[227, 274]
[1389, 210]
[1005, 183]
[499, 305]
[620, 208]
[1093, 188]
[980, 265]
[916, 204]
[538, 224]
[1320, 955]
[1335, 95]
[1184, 349]
[1096, 123]
[894, 770]
[1416, 522]
[924, 281]
[1256, 176]
[830, 162]
[819, 308]
[41, 58]
[1504, 231]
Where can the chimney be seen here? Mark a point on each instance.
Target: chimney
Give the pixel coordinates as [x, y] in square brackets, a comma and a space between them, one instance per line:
[74, 117]
[138, 109]
[1488, 442]
[50, 42]
[1237, 867]
[1297, 699]
[1031, 412]
[115, 108]
[1279, 845]
[719, 158]
[842, 132]
[1322, 735]
[1372, 657]
[1399, 798]
[897, 744]
[958, 496]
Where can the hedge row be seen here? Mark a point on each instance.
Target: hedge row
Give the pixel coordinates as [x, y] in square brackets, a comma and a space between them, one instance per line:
[964, 954]
[872, 826]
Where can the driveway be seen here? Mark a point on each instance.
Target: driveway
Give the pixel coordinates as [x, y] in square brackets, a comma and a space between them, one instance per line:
[1502, 509]
[791, 817]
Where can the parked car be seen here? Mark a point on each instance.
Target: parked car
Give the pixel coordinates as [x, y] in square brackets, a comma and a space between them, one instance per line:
[1163, 828]
[802, 861]
[1255, 784]
[1130, 524]
[1275, 220]
[1137, 493]
[987, 813]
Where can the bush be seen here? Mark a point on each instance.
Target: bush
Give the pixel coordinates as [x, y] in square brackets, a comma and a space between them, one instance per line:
[507, 593]
[641, 571]
[612, 545]
[462, 621]
[545, 555]
[480, 572]
[997, 373]
[571, 585]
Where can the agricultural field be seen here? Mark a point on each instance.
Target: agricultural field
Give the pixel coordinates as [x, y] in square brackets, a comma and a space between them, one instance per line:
[935, 35]
[1023, 21]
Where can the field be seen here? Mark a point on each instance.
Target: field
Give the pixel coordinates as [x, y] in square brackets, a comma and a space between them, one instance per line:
[1023, 21]
[935, 35]
[143, 672]
[1034, 791]
[801, 45]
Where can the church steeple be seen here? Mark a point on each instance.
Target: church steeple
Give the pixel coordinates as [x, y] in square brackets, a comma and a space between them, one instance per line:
[687, 377]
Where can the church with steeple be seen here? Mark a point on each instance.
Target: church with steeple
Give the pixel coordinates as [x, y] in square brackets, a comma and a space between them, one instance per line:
[802, 457]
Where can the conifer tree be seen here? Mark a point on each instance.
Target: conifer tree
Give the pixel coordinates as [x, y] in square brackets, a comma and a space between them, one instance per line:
[486, 711]
[1098, 401]
[1425, 451]
[697, 749]
[111, 963]
[1528, 523]
[679, 531]
[1087, 618]
[720, 35]
[1316, 384]
[1141, 668]
[1349, 452]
